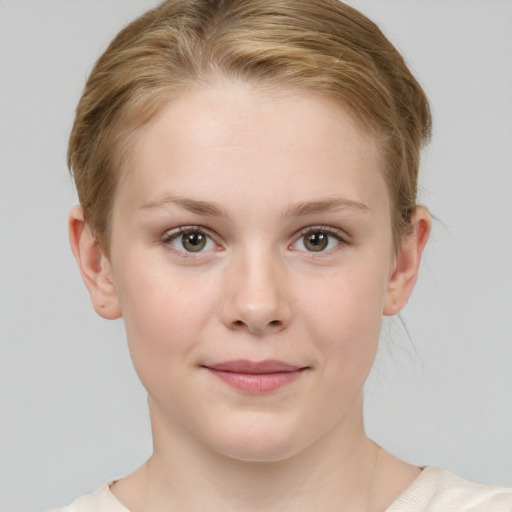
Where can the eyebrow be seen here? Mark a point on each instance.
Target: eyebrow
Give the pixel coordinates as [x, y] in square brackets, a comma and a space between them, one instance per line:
[192, 205]
[328, 204]
[207, 208]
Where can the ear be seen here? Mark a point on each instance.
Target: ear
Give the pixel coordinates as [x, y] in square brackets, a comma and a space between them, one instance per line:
[405, 272]
[94, 266]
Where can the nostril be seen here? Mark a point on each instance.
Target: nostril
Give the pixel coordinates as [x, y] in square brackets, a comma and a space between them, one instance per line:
[240, 324]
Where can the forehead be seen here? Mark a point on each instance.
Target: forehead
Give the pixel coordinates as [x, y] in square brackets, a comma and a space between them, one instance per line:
[224, 141]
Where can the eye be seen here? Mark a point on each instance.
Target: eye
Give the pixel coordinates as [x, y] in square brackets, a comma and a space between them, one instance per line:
[317, 240]
[189, 240]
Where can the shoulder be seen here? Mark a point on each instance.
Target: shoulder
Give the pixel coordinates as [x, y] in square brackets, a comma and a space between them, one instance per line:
[438, 490]
[101, 500]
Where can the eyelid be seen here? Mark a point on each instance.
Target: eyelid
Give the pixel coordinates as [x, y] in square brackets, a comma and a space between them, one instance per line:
[326, 229]
[342, 237]
[172, 234]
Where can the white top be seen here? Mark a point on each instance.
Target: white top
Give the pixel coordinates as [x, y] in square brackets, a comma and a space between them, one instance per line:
[435, 490]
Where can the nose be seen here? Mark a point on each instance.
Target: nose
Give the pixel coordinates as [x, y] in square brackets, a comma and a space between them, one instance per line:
[256, 295]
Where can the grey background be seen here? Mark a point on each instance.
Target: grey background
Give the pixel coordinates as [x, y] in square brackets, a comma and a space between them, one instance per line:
[72, 413]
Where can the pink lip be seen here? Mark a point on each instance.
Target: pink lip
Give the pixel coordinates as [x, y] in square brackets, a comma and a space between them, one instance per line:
[256, 377]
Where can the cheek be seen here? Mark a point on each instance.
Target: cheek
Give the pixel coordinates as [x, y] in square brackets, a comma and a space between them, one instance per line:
[164, 315]
[344, 318]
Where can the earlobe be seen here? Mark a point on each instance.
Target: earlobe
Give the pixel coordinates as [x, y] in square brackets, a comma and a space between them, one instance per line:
[94, 266]
[403, 279]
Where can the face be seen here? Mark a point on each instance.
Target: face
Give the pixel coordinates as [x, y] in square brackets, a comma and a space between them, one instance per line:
[251, 255]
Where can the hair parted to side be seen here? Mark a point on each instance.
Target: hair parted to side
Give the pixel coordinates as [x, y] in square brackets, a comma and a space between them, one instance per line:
[320, 45]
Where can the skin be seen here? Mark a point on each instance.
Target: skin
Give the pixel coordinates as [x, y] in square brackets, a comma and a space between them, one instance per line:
[257, 172]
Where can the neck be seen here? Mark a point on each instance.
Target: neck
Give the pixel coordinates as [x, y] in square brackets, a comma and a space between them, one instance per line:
[335, 473]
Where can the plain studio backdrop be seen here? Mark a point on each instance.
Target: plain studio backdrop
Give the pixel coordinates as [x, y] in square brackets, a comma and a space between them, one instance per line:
[72, 412]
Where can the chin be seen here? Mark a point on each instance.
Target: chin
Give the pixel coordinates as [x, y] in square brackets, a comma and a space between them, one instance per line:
[260, 442]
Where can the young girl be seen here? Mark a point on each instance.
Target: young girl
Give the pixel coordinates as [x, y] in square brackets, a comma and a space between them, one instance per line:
[247, 176]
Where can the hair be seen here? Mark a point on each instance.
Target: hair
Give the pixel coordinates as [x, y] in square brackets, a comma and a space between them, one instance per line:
[323, 46]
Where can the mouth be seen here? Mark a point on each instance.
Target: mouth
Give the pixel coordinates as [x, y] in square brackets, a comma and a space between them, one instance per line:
[256, 377]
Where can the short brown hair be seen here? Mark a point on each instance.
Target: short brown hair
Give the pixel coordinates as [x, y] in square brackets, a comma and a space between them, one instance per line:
[319, 45]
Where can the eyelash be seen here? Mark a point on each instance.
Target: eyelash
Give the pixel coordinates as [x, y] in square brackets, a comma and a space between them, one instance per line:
[174, 234]
[340, 238]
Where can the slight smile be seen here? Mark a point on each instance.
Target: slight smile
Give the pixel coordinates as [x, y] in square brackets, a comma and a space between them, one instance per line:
[256, 377]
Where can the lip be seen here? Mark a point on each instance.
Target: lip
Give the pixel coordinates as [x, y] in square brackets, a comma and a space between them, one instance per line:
[256, 377]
